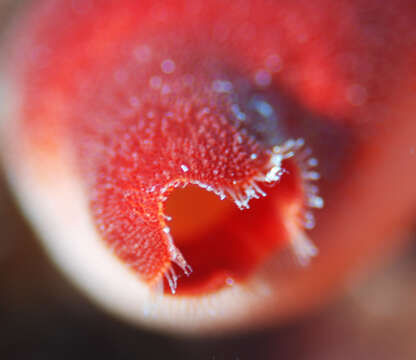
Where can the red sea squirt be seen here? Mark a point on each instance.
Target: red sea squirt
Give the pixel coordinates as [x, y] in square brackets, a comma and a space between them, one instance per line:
[182, 123]
[141, 108]
[144, 98]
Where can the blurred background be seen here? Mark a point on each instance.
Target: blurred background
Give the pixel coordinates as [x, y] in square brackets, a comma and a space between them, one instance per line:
[43, 316]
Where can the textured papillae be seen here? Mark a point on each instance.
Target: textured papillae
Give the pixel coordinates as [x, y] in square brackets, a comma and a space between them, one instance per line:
[142, 110]
[139, 99]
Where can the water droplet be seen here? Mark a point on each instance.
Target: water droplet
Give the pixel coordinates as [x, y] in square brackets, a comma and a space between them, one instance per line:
[262, 78]
[222, 86]
[168, 66]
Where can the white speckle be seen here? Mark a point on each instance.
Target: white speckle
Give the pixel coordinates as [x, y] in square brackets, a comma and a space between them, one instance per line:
[276, 159]
[166, 230]
[263, 108]
[313, 162]
[273, 175]
[253, 156]
[299, 143]
[184, 168]
[312, 189]
[237, 112]
[168, 66]
[274, 63]
[309, 221]
[229, 281]
[262, 78]
[276, 149]
[356, 94]
[204, 111]
[316, 202]
[222, 86]
[172, 279]
[142, 53]
[155, 82]
[312, 175]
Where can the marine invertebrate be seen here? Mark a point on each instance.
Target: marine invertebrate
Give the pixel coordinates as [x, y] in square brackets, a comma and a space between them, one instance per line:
[119, 107]
[157, 117]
